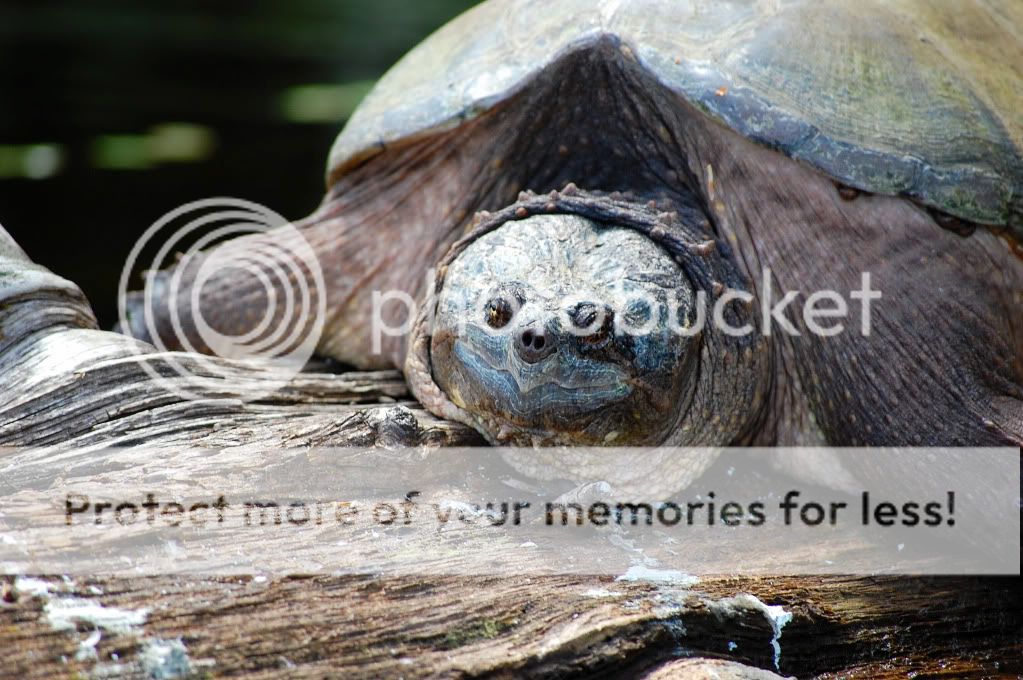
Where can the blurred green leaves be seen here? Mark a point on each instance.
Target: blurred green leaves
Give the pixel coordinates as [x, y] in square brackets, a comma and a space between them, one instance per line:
[323, 103]
[32, 161]
[164, 143]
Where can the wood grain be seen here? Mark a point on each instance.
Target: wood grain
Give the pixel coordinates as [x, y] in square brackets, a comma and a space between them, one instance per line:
[69, 389]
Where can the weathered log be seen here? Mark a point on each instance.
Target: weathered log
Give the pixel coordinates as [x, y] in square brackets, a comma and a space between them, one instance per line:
[70, 391]
[66, 383]
[368, 627]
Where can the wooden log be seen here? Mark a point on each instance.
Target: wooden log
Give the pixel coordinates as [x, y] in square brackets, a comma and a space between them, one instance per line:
[68, 384]
[370, 627]
[70, 391]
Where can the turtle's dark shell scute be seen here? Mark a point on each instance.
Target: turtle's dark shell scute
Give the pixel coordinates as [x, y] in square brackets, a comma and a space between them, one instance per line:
[920, 98]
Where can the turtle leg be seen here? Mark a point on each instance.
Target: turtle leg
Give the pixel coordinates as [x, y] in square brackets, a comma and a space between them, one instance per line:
[376, 235]
[941, 361]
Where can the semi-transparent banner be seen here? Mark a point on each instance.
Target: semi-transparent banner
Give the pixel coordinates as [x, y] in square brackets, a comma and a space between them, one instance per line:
[667, 513]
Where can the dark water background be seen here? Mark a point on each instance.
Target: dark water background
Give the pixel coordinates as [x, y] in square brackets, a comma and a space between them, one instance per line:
[114, 112]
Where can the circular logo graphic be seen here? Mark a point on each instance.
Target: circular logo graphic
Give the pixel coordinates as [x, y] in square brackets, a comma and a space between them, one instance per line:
[214, 244]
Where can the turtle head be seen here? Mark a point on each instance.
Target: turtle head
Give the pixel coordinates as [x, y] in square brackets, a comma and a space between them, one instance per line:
[556, 330]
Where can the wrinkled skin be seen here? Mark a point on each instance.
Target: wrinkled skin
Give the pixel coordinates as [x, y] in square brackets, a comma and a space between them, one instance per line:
[943, 365]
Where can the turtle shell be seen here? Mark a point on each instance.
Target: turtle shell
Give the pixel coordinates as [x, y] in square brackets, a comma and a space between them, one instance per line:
[902, 97]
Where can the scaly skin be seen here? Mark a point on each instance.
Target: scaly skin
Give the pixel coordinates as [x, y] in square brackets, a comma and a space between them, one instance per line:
[944, 365]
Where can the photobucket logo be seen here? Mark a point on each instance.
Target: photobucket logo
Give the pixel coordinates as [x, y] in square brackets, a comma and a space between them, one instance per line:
[279, 267]
[498, 311]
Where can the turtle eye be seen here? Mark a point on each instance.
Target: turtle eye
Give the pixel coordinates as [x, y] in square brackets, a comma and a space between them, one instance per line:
[498, 312]
[592, 323]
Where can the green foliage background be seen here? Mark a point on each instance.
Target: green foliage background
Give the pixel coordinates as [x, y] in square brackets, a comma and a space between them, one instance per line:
[123, 110]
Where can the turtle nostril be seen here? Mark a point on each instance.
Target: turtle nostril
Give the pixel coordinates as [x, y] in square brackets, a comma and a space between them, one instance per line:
[532, 346]
[532, 340]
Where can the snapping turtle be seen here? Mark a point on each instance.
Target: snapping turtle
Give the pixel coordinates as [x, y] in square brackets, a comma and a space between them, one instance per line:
[658, 222]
